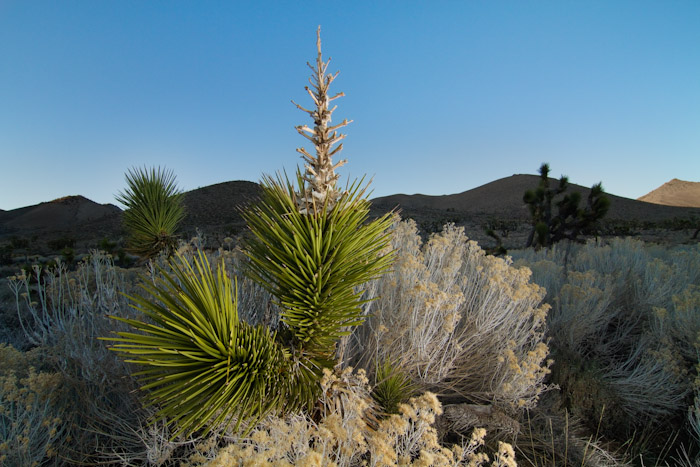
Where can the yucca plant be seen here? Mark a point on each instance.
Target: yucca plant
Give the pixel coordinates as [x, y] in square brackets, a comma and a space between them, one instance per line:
[153, 212]
[311, 244]
[392, 386]
[203, 367]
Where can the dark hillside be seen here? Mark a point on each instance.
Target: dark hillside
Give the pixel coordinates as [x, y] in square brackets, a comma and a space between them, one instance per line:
[215, 209]
[72, 216]
[500, 205]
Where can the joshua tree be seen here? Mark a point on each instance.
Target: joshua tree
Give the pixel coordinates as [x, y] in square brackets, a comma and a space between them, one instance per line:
[311, 246]
[153, 210]
[570, 220]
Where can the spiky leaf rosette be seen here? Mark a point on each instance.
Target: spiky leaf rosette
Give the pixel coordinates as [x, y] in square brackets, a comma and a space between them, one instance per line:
[153, 212]
[393, 386]
[203, 367]
[312, 263]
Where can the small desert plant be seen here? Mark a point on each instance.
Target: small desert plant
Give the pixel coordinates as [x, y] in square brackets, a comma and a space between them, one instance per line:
[392, 387]
[153, 212]
[570, 220]
[61, 243]
[19, 243]
[107, 245]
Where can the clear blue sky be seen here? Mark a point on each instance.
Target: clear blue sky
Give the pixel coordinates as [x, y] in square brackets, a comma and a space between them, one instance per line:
[445, 96]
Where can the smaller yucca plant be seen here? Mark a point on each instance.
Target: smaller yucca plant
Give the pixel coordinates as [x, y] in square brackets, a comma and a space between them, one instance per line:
[392, 387]
[203, 367]
[153, 212]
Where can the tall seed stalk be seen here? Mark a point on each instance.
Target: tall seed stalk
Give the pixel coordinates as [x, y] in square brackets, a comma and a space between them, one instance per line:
[320, 170]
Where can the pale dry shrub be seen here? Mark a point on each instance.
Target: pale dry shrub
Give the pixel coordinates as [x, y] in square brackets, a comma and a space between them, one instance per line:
[679, 320]
[580, 311]
[32, 421]
[627, 315]
[651, 384]
[65, 314]
[347, 434]
[463, 324]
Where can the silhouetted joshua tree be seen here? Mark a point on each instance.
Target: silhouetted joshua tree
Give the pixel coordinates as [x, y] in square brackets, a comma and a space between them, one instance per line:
[570, 221]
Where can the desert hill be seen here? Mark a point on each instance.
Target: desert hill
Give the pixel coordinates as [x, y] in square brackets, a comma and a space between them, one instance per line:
[217, 207]
[675, 193]
[215, 211]
[503, 198]
[207, 208]
[71, 215]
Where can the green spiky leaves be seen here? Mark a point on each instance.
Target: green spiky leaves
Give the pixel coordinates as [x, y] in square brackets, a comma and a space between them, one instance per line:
[153, 212]
[393, 386]
[203, 367]
[312, 263]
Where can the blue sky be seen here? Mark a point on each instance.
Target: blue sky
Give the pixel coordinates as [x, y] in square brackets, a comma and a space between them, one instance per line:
[445, 96]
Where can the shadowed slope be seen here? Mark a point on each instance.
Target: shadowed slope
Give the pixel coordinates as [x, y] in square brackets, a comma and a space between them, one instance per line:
[71, 214]
[215, 210]
[503, 198]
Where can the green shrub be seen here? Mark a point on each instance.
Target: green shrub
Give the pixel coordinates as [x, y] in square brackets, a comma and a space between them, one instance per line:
[107, 245]
[203, 366]
[61, 243]
[392, 386]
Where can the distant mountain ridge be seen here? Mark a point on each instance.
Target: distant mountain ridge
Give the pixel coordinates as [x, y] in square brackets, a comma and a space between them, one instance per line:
[675, 193]
[504, 198]
[215, 209]
[67, 214]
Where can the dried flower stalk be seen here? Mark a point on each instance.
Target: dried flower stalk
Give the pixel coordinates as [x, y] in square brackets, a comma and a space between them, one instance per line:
[320, 177]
